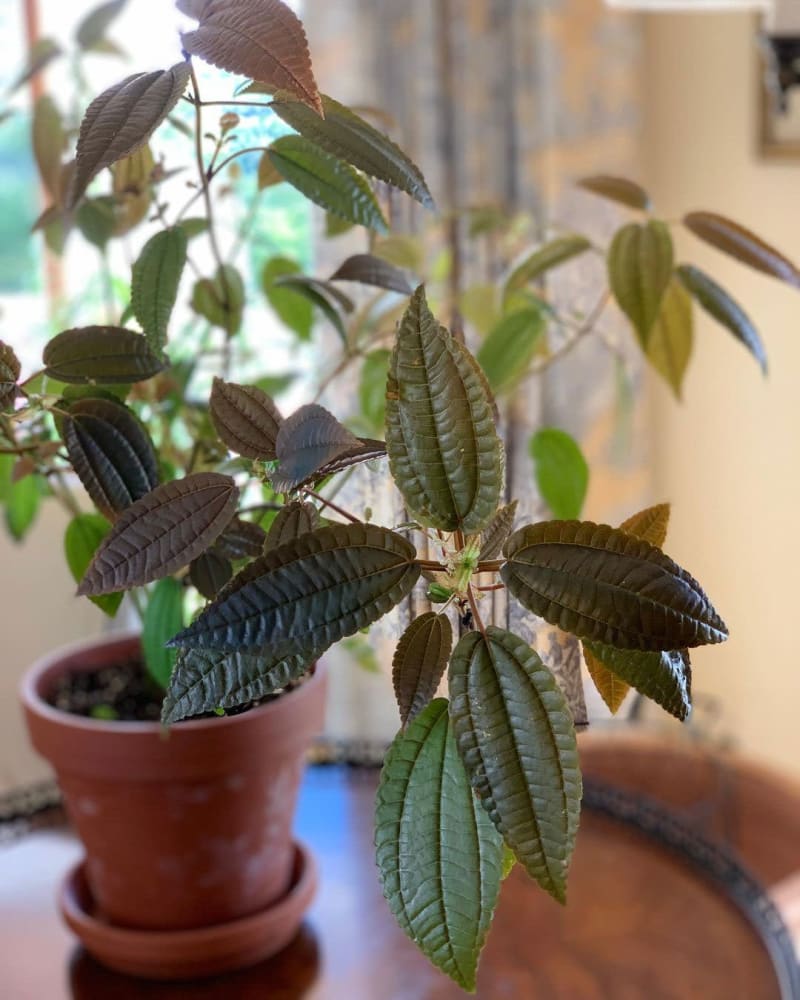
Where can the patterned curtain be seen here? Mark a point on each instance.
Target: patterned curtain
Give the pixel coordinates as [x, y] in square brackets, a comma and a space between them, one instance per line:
[506, 102]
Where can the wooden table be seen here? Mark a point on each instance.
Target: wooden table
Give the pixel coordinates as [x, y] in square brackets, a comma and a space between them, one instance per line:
[639, 924]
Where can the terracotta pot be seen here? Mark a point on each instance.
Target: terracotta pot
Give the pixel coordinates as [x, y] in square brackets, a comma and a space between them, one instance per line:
[183, 828]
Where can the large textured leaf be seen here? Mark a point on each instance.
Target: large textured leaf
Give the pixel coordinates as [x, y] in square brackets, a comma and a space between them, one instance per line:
[206, 679]
[345, 134]
[666, 677]
[111, 452]
[262, 39]
[562, 473]
[366, 450]
[309, 593]
[724, 309]
[419, 663]
[544, 259]
[48, 140]
[92, 29]
[123, 118]
[669, 344]
[241, 540]
[443, 448]
[293, 520]
[154, 283]
[618, 189]
[82, 538]
[639, 272]
[307, 441]
[516, 738]
[496, 532]
[743, 245]
[438, 855]
[603, 584]
[246, 419]
[367, 269]
[294, 309]
[100, 355]
[510, 346]
[9, 374]
[327, 181]
[162, 532]
[162, 618]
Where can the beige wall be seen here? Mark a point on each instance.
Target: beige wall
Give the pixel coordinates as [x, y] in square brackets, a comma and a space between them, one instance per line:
[729, 458]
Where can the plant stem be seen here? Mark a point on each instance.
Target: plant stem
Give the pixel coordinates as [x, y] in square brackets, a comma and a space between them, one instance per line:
[339, 510]
[212, 173]
[225, 104]
[476, 615]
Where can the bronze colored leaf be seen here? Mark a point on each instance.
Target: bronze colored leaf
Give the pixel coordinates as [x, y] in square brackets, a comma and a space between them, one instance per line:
[366, 269]
[494, 536]
[246, 419]
[209, 573]
[611, 688]
[9, 374]
[307, 441]
[743, 245]
[162, 532]
[419, 663]
[268, 174]
[618, 189]
[241, 540]
[665, 677]
[293, 520]
[366, 450]
[101, 355]
[123, 118]
[262, 39]
[639, 271]
[650, 524]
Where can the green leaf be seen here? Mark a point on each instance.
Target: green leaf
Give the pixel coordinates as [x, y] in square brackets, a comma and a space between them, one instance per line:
[509, 348]
[292, 521]
[496, 532]
[208, 574]
[163, 617]
[317, 294]
[438, 855]
[246, 419]
[162, 533]
[443, 448]
[193, 227]
[278, 602]
[82, 538]
[307, 441]
[517, 741]
[724, 309]
[221, 299]
[372, 388]
[9, 375]
[367, 269]
[544, 259]
[327, 181]
[618, 189]
[48, 141]
[22, 505]
[419, 663]
[154, 283]
[605, 585]
[97, 220]
[562, 474]
[293, 309]
[666, 677]
[102, 355]
[93, 27]
[669, 345]
[346, 135]
[639, 272]
[111, 452]
[743, 245]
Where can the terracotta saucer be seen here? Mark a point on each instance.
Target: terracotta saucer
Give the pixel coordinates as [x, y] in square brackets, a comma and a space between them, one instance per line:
[190, 954]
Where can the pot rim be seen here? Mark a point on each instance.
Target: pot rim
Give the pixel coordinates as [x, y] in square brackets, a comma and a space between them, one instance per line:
[33, 700]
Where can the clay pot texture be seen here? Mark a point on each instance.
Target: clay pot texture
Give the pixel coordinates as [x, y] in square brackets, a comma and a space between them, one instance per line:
[186, 827]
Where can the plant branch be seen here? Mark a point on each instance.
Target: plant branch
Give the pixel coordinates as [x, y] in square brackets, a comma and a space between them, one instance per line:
[476, 615]
[339, 510]
[219, 167]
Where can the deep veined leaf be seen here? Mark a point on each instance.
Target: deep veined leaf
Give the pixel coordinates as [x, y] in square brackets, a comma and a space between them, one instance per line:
[367, 269]
[510, 346]
[48, 142]
[650, 524]
[92, 29]
[154, 283]
[276, 603]
[438, 854]
[544, 259]
[121, 119]
[293, 520]
[308, 440]
[611, 688]
[9, 375]
[345, 134]
[330, 183]
[162, 532]
[293, 308]
[82, 538]
[639, 271]
[163, 616]
[103, 355]
[206, 679]
[562, 473]
[317, 295]
[665, 677]
[221, 299]
[22, 503]
[444, 453]
[241, 540]
[419, 663]
[262, 39]
[496, 532]
[743, 245]
[605, 585]
[517, 741]
[246, 419]
[618, 189]
[669, 344]
[111, 452]
[208, 574]
[724, 309]
[366, 450]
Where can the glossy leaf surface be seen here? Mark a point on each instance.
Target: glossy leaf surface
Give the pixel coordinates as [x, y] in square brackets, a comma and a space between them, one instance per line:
[619, 189]
[103, 355]
[665, 677]
[743, 245]
[307, 441]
